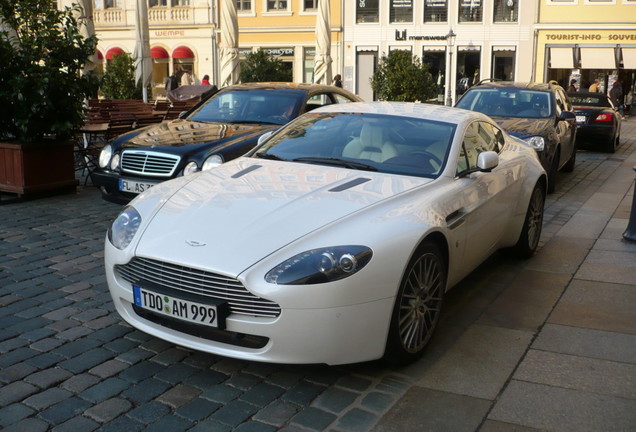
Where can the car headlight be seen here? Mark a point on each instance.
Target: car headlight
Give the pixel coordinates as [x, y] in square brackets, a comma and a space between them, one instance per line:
[124, 228]
[320, 265]
[114, 162]
[105, 155]
[190, 168]
[212, 161]
[536, 142]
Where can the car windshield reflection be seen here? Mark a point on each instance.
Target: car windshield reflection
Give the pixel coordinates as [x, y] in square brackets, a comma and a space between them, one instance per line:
[508, 102]
[370, 142]
[254, 106]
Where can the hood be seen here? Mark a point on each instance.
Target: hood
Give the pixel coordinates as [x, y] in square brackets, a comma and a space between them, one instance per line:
[242, 211]
[523, 127]
[180, 132]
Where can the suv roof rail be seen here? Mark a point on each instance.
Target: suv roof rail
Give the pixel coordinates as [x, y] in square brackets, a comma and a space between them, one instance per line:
[554, 82]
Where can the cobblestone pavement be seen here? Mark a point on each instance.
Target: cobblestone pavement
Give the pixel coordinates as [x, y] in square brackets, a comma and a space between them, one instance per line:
[69, 363]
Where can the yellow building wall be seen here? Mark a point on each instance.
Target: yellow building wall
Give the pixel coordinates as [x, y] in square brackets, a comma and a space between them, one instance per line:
[583, 12]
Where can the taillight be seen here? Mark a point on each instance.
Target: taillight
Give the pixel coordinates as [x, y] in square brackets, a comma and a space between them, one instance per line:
[604, 117]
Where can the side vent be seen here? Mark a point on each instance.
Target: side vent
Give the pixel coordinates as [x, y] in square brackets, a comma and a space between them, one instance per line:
[349, 184]
[246, 171]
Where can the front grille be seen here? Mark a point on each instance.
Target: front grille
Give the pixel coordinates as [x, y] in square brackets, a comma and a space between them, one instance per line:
[149, 163]
[175, 279]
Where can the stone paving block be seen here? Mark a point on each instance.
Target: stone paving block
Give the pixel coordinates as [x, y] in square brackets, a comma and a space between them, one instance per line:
[378, 402]
[356, 420]
[242, 381]
[207, 378]
[75, 348]
[76, 424]
[221, 393]
[16, 391]
[145, 391]
[284, 378]
[64, 410]
[609, 266]
[354, 383]
[110, 333]
[134, 356]
[13, 413]
[335, 400]
[104, 390]
[551, 408]
[495, 426]
[16, 372]
[140, 371]
[170, 423]
[45, 360]
[596, 305]
[48, 377]
[120, 345]
[176, 373]
[313, 419]
[11, 343]
[74, 333]
[29, 424]
[61, 313]
[619, 347]
[62, 325]
[421, 409]
[211, 426]
[16, 356]
[149, 412]
[253, 426]
[234, 413]
[46, 344]
[109, 368]
[578, 373]
[37, 334]
[108, 410]
[303, 393]
[47, 398]
[87, 360]
[170, 356]
[197, 409]
[179, 395]
[262, 394]
[277, 413]
[79, 383]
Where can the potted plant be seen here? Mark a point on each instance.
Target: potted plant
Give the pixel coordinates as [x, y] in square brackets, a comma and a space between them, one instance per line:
[42, 93]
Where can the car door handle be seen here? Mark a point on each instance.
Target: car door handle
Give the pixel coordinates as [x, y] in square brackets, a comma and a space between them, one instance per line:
[455, 219]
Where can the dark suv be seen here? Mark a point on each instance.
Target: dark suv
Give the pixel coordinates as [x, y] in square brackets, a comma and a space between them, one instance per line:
[539, 113]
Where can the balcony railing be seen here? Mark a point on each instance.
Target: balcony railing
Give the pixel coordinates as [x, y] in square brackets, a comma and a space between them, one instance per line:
[158, 15]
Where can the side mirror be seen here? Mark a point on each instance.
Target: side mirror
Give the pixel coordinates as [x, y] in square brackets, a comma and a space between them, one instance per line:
[265, 137]
[487, 160]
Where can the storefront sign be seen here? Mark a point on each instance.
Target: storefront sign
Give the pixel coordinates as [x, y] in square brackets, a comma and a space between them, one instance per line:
[584, 37]
[277, 52]
[169, 33]
[401, 36]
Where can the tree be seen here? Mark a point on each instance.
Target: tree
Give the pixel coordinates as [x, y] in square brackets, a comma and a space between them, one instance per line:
[260, 67]
[119, 80]
[42, 54]
[402, 77]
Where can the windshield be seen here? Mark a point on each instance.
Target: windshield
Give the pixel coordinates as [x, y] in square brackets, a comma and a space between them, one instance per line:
[508, 102]
[269, 106]
[372, 142]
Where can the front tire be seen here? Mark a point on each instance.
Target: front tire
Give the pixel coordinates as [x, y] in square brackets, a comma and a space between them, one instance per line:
[418, 306]
[532, 224]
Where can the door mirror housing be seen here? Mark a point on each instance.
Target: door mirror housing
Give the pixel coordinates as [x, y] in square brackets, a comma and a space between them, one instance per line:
[487, 160]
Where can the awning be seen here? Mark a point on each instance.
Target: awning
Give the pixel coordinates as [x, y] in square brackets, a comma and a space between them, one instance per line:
[159, 53]
[504, 48]
[435, 48]
[100, 56]
[629, 58]
[367, 48]
[473, 48]
[598, 58]
[113, 52]
[561, 58]
[182, 52]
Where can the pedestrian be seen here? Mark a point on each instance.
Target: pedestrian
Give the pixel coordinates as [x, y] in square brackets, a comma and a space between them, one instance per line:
[205, 80]
[572, 87]
[186, 78]
[616, 95]
[171, 82]
[594, 87]
[337, 81]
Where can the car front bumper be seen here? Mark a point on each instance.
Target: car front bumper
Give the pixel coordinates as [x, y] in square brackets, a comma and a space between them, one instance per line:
[108, 182]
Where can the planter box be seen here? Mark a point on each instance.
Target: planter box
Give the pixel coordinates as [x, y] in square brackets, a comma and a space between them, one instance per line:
[35, 168]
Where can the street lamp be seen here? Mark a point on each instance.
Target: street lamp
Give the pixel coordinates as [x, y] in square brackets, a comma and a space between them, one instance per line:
[450, 43]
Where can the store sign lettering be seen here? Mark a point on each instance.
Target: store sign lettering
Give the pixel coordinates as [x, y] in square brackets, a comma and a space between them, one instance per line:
[590, 37]
[169, 33]
[401, 36]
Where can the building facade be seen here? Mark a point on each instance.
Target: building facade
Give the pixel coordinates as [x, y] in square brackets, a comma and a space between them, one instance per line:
[585, 40]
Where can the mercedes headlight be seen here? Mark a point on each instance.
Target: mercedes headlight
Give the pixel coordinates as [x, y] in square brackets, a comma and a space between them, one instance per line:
[190, 168]
[536, 142]
[320, 265]
[114, 162]
[124, 228]
[212, 161]
[105, 155]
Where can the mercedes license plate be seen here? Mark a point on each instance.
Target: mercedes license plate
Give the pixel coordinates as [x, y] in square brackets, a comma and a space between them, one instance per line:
[186, 310]
[133, 186]
[580, 119]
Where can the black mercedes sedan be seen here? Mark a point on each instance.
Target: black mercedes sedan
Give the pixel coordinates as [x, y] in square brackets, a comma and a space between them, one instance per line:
[541, 114]
[216, 130]
[598, 121]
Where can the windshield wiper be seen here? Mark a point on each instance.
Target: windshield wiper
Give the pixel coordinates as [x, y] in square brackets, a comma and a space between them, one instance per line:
[337, 162]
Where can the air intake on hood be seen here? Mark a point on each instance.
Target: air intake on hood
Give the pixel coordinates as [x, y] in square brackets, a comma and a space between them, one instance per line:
[349, 184]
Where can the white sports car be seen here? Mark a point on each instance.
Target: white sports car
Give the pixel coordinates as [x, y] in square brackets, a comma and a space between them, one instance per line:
[333, 241]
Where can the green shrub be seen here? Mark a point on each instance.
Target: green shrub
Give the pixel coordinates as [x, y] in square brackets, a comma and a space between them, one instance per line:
[260, 67]
[402, 77]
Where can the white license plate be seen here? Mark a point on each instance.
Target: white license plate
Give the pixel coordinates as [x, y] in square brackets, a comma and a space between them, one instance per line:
[133, 186]
[580, 119]
[185, 310]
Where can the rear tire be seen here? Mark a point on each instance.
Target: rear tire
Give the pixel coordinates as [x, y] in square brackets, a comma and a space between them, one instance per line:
[532, 224]
[610, 146]
[418, 306]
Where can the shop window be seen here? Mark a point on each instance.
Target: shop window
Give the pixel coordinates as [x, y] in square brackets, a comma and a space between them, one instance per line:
[470, 11]
[243, 5]
[109, 4]
[503, 64]
[435, 11]
[276, 5]
[367, 11]
[506, 11]
[401, 11]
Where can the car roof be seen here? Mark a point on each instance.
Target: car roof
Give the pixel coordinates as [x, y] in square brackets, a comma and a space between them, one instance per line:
[283, 85]
[514, 84]
[434, 112]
